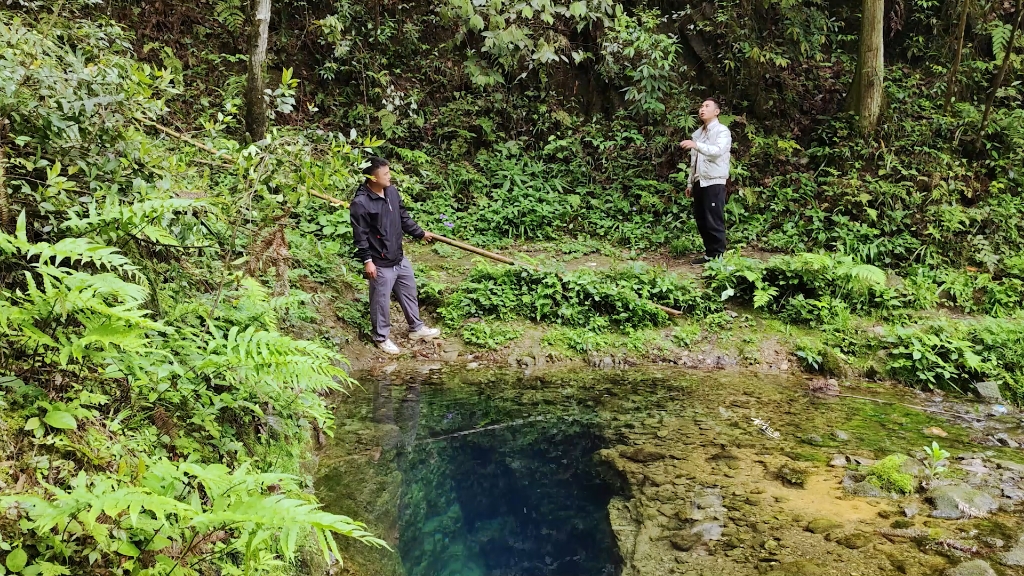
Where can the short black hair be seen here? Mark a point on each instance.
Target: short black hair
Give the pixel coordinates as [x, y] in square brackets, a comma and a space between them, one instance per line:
[715, 100]
[376, 163]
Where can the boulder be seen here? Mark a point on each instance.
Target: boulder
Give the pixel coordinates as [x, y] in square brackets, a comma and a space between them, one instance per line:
[957, 501]
[989, 391]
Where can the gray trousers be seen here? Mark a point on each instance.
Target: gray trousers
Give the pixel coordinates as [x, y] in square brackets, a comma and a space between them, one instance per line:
[399, 280]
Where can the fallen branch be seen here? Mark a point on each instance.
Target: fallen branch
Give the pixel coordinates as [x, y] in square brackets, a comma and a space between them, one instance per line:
[475, 430]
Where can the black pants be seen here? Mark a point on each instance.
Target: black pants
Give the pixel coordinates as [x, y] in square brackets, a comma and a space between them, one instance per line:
[709, 212]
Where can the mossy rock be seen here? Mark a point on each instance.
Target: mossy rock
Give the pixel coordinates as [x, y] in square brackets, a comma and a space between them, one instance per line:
[822, 525]
[795, 473]
[889, 476]
[798, 568]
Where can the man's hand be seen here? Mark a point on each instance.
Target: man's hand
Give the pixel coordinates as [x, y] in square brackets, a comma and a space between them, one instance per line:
[689, 191]
[371, 270]
[427, 237]
[687, 144]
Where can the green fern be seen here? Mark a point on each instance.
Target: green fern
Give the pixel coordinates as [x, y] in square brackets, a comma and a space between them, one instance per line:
[866, 275]
[167, 505]
[146, 219]
[1000, 40]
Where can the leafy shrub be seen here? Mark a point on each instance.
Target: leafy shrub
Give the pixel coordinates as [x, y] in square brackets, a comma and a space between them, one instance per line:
[488, 335]
[576, 299]
[820, 358]
[686, 335]
[579, 340]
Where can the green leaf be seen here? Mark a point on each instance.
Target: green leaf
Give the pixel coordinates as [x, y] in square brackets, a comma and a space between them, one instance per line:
[32, 423]
[16, 560]
[60, 420]
[159, 543]
[476, 22]
[128, 549]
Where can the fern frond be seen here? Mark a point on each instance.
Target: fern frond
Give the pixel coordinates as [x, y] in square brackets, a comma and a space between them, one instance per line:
[866, 275]
[83, 250]
[143, 218]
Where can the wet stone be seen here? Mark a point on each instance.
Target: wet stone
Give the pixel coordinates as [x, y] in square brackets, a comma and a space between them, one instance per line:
[972, 568]
[1015, 556]
[838, 461]
[798, 568]
[642, 454]
[956, 501]
[855, 540]
[989, 391]
[822, 525]
[684, 541]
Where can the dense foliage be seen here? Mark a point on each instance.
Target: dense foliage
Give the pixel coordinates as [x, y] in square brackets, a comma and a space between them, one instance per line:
[163, 415]
[163, 354]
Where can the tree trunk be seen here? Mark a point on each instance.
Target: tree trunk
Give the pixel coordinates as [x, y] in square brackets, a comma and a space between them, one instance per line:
[255, 104]
[951, 82]
[1002, 69]
[867, 93]
[5, 199]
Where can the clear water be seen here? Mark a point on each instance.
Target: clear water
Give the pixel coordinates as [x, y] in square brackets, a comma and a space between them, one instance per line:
[493, 488]
[493, 473]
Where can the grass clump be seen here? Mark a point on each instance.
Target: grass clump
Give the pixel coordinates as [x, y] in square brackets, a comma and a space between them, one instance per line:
[889, 476]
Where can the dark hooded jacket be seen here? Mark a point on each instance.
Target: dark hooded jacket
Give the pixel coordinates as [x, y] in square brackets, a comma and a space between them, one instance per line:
[377, 226]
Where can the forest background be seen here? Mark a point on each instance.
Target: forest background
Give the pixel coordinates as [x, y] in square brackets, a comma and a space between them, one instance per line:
[173, 264]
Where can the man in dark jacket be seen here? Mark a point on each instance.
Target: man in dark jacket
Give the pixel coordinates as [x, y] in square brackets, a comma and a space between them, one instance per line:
[378, 220]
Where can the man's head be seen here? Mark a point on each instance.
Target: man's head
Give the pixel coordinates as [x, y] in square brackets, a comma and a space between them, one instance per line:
[378, 171]
[709, 110]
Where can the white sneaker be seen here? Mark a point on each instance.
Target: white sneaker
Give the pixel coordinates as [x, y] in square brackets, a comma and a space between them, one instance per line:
[389, 347]
[424, 333]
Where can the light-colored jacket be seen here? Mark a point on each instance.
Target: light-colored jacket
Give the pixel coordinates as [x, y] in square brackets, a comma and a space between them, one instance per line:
[709, 161]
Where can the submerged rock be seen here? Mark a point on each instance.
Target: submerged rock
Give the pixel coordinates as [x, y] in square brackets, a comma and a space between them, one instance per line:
[684, 541]
[958, 501]
[795, 473]
[642, 454]
[972, 568]
[822, 525]
[708, 531]
[1015, 556]
[798, 568]
[855, 540]
[865, 489]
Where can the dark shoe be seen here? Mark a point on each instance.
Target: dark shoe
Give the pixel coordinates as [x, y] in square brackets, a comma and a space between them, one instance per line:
[700, 261]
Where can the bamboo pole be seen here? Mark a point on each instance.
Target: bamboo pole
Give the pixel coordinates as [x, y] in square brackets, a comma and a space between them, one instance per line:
[511, 262]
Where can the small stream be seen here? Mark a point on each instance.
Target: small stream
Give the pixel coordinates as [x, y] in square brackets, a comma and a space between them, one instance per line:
[600, 473]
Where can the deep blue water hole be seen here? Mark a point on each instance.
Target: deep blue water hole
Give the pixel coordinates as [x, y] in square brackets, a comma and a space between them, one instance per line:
[494, 488]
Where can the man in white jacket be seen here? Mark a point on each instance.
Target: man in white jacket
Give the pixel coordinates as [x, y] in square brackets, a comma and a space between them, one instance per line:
[709, 169]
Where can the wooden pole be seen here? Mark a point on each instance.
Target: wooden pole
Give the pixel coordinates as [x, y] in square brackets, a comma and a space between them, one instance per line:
[475, 250]
[511, 262]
